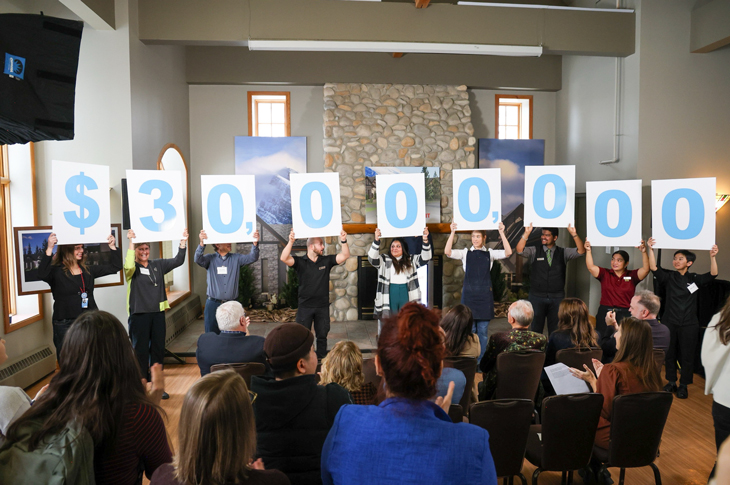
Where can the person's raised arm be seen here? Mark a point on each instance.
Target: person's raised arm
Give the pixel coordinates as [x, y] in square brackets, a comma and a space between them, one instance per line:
[505, 241]
[578, 242]
[523, 240]
[713, 260]
[199, 258]
[650, 252]
[592, 268]
[44, 269]
[644, 270]
[52, 241]
[129, 266]
[450, 240]
[374, 251]
[253, 255]
[426, 249]
[115, 261]
[345, 251]
[286, 256]
[168, 265]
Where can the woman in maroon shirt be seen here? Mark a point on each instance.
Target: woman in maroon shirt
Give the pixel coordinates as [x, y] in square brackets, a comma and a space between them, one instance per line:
[618, 284]
[632, 370]
[99, 385]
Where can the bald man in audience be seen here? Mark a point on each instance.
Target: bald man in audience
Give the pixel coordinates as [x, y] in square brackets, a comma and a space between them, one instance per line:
[645, 305]
[233, 345]
[519, 316]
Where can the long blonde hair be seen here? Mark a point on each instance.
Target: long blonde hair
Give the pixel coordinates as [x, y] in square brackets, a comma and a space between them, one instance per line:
[65, 257]
[343, 366]
[217, 431]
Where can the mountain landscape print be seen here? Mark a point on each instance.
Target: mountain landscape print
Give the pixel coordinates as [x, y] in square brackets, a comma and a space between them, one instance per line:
[271, 160]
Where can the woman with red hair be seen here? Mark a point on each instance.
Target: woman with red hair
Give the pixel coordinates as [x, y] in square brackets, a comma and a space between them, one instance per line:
[407, 438]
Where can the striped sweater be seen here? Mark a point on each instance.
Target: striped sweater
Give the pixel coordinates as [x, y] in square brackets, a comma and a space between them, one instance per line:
[383, 262]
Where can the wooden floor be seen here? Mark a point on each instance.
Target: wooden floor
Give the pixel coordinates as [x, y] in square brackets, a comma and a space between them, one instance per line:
[687, 450]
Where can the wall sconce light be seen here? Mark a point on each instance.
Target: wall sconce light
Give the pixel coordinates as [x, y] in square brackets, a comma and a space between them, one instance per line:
[721, 201]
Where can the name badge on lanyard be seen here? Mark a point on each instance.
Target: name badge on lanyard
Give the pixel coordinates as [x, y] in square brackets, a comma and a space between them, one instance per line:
[627, 278]
[692, 288]
[144, 271]
[84, 300]
[222, 270]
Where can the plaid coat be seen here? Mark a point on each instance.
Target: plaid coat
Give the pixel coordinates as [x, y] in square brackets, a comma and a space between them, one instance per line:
[383, 262]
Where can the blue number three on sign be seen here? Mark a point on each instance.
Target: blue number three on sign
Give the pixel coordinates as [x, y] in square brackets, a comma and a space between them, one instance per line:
[162, 203]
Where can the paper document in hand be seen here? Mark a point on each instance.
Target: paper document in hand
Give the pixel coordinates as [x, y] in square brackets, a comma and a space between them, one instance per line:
[564, 382]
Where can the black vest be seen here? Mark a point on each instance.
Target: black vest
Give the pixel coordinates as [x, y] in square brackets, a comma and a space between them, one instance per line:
[546, 280]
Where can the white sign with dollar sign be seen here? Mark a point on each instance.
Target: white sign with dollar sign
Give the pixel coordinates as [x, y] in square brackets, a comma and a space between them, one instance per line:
[80, 193]
[156, 204]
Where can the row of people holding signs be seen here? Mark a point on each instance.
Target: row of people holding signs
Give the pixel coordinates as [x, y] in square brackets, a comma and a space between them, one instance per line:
[683, 210]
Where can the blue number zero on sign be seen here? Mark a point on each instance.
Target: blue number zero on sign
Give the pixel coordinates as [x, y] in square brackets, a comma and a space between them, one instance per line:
[305, 202]
[696, 213]
[538, 196]
[625, 213]
[391, 211]
[214, 209]
[162, 203]
[485, 199]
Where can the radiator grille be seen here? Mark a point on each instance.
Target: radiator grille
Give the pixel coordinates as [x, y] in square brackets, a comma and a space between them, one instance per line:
[25, 363]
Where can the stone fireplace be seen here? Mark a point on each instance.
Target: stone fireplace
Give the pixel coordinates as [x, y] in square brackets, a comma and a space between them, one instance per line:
[392, 125]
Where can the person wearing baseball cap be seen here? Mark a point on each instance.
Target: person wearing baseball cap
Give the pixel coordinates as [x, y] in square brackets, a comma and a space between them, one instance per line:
[293, 413]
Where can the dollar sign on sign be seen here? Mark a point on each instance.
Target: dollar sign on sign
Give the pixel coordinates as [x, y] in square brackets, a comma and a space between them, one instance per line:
[88, 208]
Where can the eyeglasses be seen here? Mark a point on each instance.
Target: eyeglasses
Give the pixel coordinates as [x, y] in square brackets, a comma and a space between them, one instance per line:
[252, 396]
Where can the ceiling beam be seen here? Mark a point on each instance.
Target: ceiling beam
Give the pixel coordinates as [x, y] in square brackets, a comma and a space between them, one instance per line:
[710, 26]
[238, 65]
[99, 14]
[234, 22]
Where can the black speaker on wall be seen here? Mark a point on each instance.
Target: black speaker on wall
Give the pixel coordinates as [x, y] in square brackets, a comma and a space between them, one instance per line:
[40, 58]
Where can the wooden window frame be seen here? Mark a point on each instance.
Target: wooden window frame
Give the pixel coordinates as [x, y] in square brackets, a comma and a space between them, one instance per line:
[252, 105]
[497, 102]
[181, 297]
[7, 234]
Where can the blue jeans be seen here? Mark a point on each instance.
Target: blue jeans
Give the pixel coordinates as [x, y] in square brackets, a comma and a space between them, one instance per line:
[211, 324]
[480, 328]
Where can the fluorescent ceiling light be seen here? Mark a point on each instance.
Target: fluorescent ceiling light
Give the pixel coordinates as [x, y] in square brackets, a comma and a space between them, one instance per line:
[390, 47]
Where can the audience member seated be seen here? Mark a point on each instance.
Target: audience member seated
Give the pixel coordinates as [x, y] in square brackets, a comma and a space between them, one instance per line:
[217, 437]
[232, 345]
[294, 414]
[574, 329]
[519, 316]
[343, 366]
[407, 438]
[633, 370]
[100, 387]
[644, 306]
[13, 400]
[460, 340]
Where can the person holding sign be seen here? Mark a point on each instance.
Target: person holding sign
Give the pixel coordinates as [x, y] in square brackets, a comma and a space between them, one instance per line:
[397, 275]
[72, 282]
[618, 284]
[223, 269]
[680, 313]
[147, 300]
[547, 279]
[477, 264]
[314, 278]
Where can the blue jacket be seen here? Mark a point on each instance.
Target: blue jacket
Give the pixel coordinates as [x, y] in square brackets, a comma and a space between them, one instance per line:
[405, 442]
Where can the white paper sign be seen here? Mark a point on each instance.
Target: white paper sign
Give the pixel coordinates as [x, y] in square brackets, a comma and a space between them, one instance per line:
[229, 208]
[401, 204]
[316, 209]
[80, 194]
[683, 213]
[156, 204]
[613, 213]
[477, 198]
[550, 195]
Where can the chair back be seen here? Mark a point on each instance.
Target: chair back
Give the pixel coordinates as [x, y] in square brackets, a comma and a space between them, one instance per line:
[456, 413]
[659, 357]
[569, 423]
[637, 423]
[244, 369]
[508, 423]
[518, 374]
[576, 357]
[467, 365]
